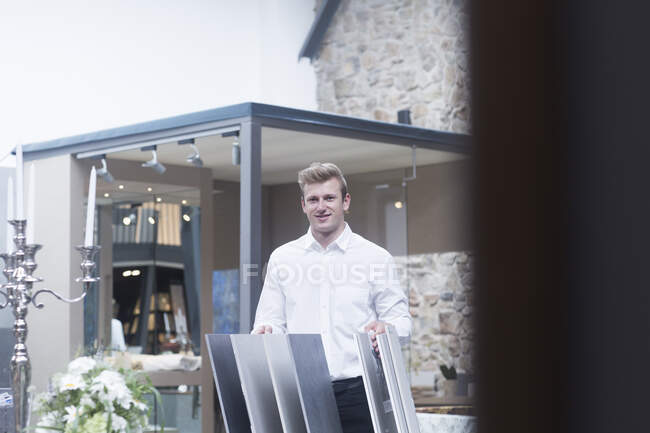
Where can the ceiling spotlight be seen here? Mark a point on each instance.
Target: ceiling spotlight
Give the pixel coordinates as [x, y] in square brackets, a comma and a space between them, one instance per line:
[106, 195]
[151, 220]
[186, 217]
[158, 199]
[236, 150]
[135, 272]
[120, 186]
[153, 162]
[126, 221]
[104, 174]
[127, 273]
[183, 201]
[194, 158]
[399, 204]
[149, 189]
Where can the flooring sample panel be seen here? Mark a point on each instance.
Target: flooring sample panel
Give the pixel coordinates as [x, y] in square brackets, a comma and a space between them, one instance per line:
[256, 382]
[226, 379]
[403, 383]
[314, 384]
[285, 384]
[391, 381]
[381, 407]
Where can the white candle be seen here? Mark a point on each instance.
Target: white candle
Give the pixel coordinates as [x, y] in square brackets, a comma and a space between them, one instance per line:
[10, 214]
[31, 203]
[19, 183]
[90, 214]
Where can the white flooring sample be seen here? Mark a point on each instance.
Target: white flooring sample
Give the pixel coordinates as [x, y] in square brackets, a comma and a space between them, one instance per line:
[381, 407]
[403, 383]
[256, 383]
[391, 381]
[285, 383]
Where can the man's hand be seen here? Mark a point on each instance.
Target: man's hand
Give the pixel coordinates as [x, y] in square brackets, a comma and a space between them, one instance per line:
[379, 328]
[264, 329]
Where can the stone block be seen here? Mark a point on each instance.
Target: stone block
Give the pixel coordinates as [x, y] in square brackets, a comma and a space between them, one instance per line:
[350, 67]
[381, 115]
[450, 322]
[368, 60]
[447, 296]
[431, 299]
[343, 88]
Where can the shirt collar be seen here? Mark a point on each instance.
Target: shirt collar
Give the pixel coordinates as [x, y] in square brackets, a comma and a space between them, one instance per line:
[343, 241]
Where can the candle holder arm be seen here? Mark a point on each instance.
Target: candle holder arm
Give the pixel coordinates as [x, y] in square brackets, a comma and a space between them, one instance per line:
[57, 296]
[7, 300]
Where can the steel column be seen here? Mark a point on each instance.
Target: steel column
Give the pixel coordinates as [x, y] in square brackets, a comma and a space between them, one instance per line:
[250, 223]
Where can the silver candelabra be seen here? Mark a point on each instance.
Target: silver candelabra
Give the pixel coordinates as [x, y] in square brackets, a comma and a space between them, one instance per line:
[18, 293]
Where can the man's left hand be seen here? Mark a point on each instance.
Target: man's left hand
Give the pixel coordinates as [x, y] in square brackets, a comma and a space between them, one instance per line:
[379, 328]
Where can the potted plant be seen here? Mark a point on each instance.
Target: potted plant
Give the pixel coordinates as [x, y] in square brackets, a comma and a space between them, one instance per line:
[95, 397]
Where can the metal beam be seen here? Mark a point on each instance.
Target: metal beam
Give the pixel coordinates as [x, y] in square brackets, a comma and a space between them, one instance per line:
[317, 31]
[250, 223]
[207, 265]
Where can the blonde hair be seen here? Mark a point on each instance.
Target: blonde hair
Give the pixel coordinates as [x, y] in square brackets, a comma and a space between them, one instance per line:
[319, 172]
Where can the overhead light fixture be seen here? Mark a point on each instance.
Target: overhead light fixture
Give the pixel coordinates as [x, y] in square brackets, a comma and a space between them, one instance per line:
[127, 220]
[153, 162]
[106, 195]
[236, 149]
[127, 273]
[158, 199]
[186, 217]
[120, 187]
[135, 272]
[194, 158]
[151, 220]
[399, 204]
[183, 201]
[104, 173]
[149, 189]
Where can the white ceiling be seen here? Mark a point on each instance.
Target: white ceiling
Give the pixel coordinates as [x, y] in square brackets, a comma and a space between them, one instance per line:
[285, 152]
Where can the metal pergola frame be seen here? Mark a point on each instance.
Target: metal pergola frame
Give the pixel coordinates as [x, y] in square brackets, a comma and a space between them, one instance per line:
[248, 119]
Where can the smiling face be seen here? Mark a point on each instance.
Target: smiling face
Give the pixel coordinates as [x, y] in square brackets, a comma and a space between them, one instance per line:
[325, 206]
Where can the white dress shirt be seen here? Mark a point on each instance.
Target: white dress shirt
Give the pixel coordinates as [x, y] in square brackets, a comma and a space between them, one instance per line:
[334, 291]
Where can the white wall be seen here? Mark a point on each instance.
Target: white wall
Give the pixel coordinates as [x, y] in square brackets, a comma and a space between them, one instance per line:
[6, 317]
[73, 66]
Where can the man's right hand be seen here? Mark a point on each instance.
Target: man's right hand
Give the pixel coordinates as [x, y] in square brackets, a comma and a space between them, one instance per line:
[264, 329]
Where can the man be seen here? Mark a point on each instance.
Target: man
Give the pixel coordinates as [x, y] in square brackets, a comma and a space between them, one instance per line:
[333, 282]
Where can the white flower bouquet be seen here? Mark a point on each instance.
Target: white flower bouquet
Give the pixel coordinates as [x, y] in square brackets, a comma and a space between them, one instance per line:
[94, 397]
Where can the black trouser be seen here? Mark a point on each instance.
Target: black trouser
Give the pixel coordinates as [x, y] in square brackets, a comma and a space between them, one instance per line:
[353, 407]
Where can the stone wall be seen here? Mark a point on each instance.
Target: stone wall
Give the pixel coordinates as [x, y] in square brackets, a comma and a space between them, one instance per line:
[381, 56]
[441, 301]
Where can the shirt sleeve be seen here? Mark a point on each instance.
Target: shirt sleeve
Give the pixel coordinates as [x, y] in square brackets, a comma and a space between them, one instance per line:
[391, 303]
[271, 307]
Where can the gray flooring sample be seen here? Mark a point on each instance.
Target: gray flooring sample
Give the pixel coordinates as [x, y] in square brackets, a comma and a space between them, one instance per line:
[229, 388]
[403, 383]
[391, 381]
[314, 384]
[285, 383]
[381, 407]
[256, 383]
